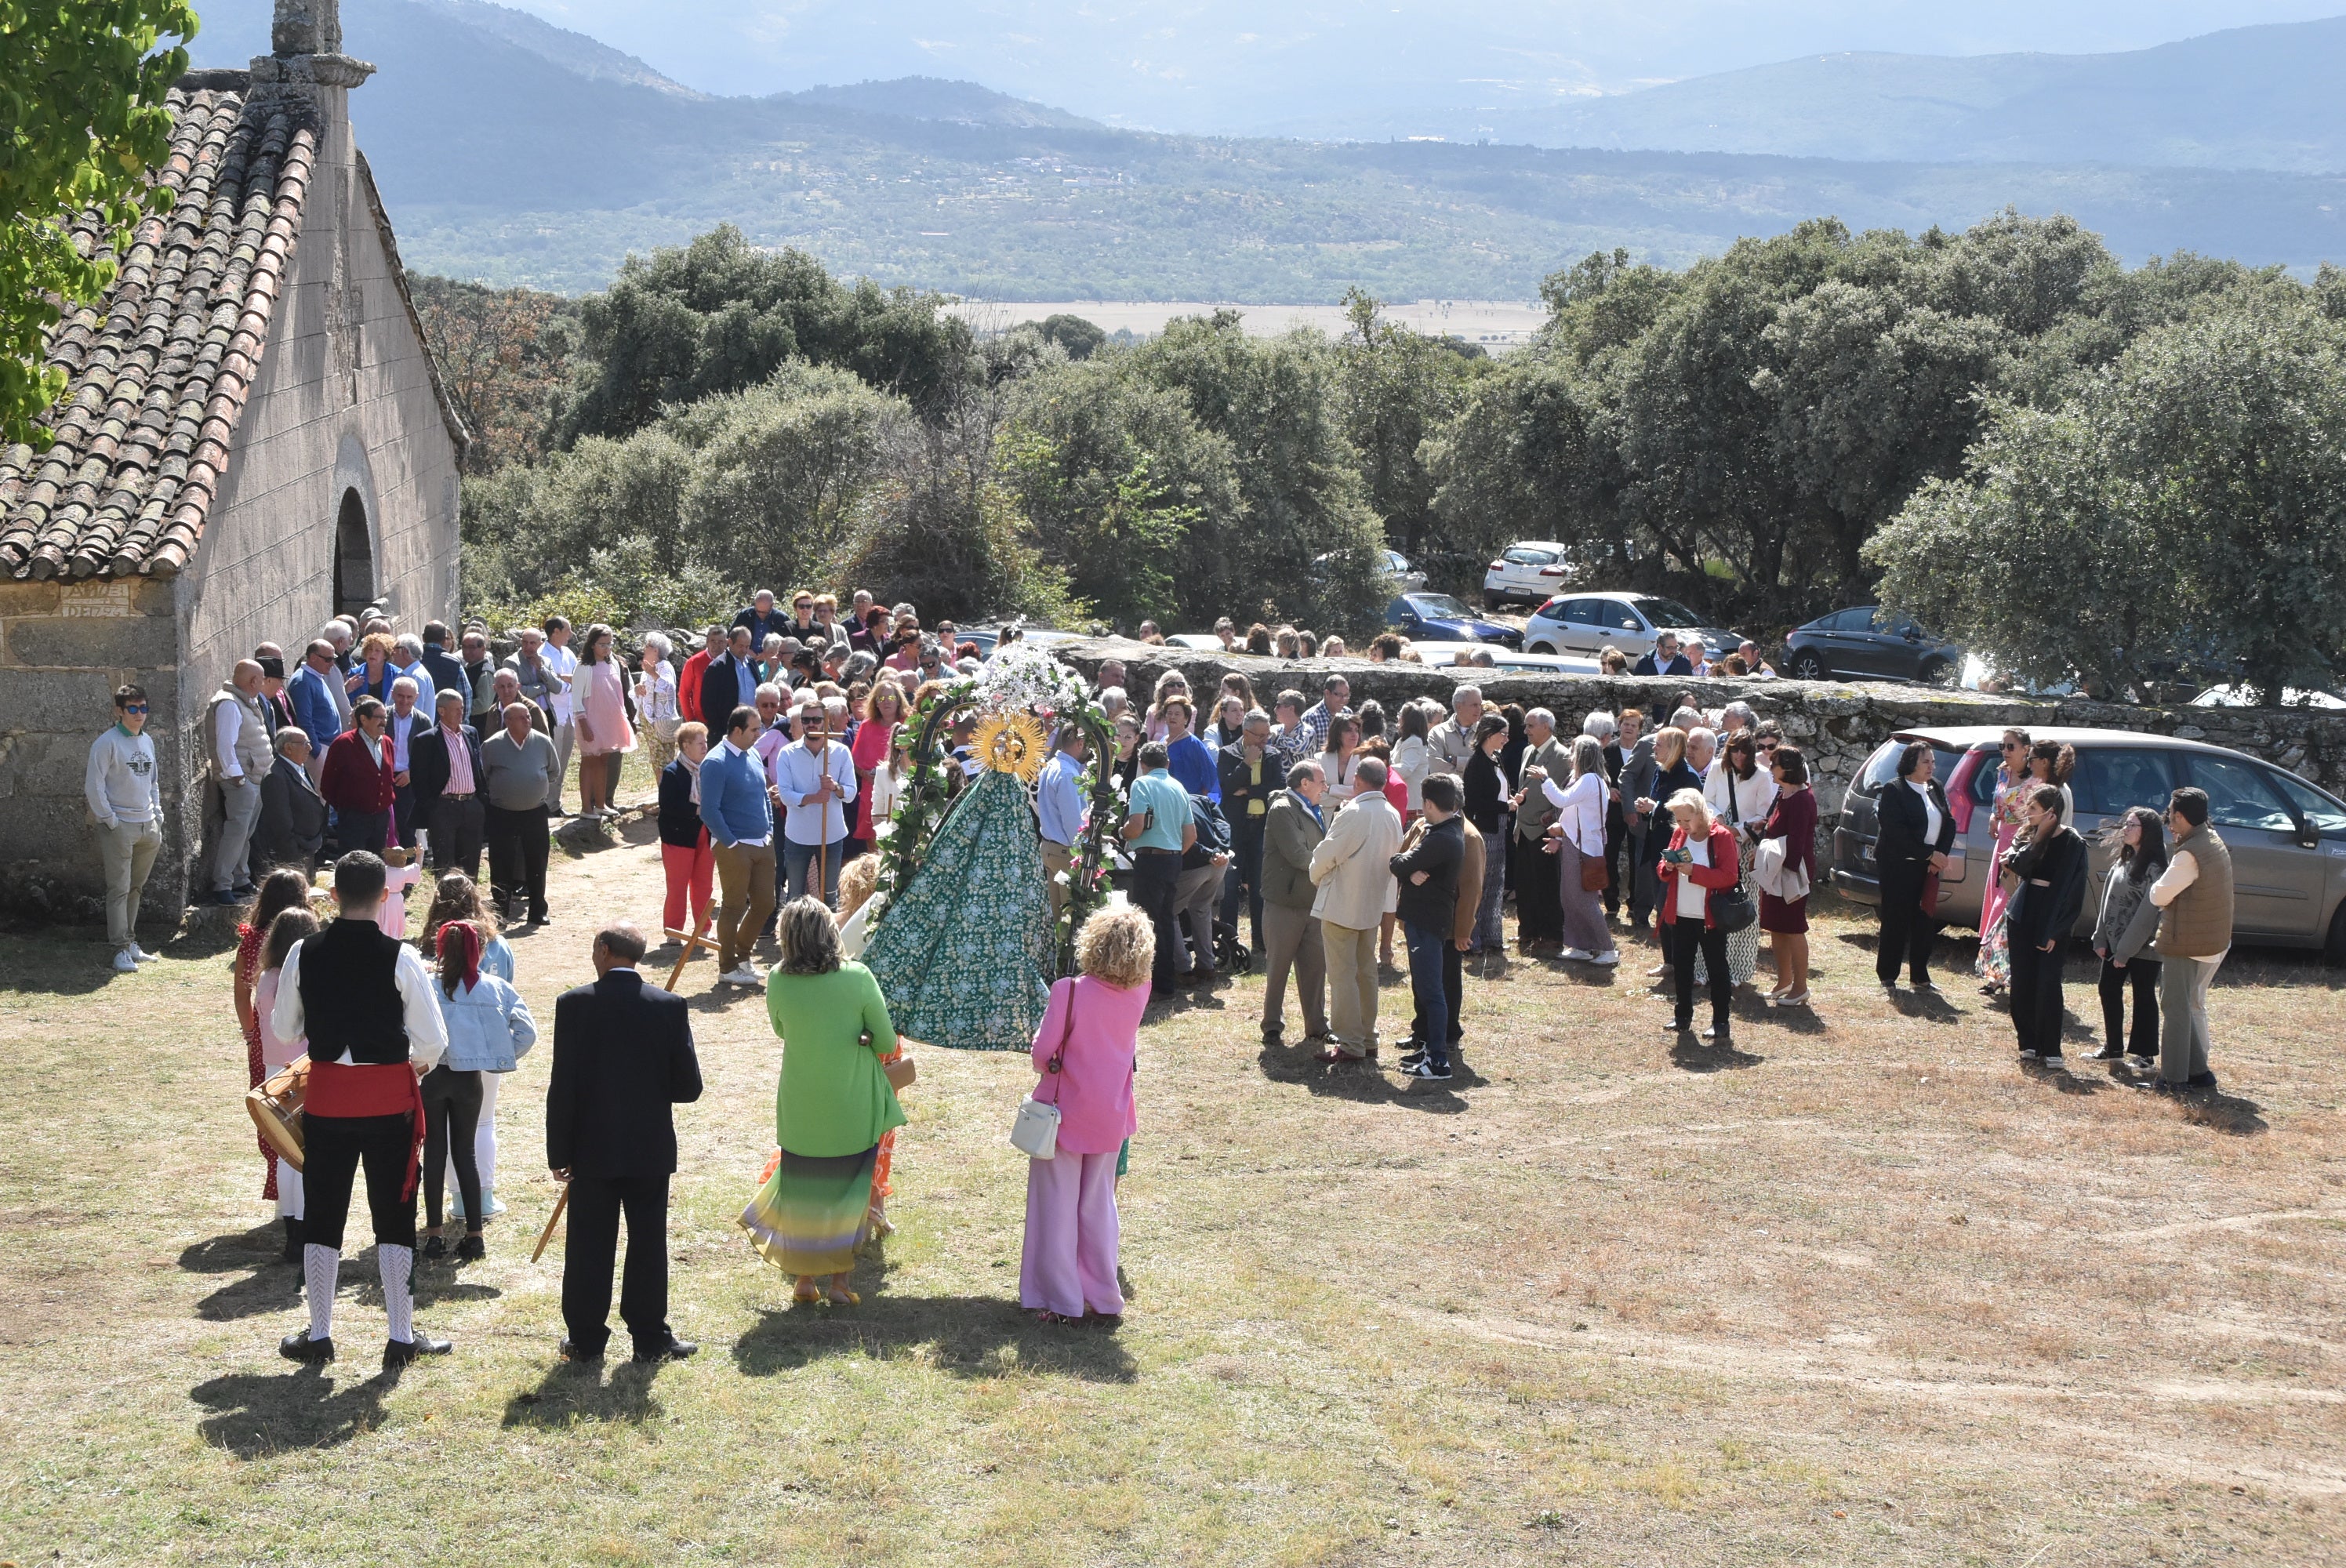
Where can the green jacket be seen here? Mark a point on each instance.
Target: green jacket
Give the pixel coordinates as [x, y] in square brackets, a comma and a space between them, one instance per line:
[833, 1099]
[1537, 811]
[1289, 833]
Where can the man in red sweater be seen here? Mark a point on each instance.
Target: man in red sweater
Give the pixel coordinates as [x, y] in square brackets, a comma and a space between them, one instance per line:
[687, 680]
[359, 780]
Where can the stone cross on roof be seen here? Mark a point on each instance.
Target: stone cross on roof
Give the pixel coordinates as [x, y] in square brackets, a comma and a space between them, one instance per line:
[305, 39]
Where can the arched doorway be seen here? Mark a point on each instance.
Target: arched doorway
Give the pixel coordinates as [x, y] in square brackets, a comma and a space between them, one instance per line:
[354, 558]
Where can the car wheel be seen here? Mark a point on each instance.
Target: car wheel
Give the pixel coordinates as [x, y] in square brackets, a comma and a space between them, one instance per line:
[1541, 649]
[1938, 672]
[1807, 666]
[2334, 950]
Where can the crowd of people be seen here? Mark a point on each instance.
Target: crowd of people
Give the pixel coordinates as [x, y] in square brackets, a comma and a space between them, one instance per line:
[1322, 828]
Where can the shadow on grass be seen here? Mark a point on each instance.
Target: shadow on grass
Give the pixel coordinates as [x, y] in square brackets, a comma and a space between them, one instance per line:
[269, 1284]
[2222, 1113]
[967, 1336]
[1366, 1083]
[53, 961]
[256, 1416]
[1690, 1055]
[577, 1391]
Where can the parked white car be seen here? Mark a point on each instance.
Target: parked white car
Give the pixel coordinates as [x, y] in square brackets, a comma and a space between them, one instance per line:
[1591, 623]
[1527, 571]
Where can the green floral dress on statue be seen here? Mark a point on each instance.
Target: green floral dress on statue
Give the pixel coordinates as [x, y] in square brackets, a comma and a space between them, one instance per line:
[963, 954]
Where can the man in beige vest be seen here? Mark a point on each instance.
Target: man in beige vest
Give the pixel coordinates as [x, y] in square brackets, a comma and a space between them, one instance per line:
[1351, 868]
[2194, 935]
[238, 756]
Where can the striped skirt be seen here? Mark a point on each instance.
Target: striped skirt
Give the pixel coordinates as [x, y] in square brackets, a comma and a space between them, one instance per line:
[812, 1212]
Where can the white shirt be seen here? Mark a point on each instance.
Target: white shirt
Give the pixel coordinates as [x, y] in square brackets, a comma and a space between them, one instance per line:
[2182, 870]
[1693, 897]
[427, 1031]
[655, 693]
[1752, 795]
[1930, 813]
[1341, 787]
[797, 774]
[401, 728]
[564, 663]
[1582, 809]
[228, 719]
[121, 782]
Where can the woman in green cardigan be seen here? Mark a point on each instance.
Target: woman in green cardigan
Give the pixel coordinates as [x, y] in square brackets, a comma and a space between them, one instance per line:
[830, 1111]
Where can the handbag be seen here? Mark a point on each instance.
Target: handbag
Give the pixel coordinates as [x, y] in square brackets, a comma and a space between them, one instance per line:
[1596, 876]
[1034, 1133]
[1731, 908]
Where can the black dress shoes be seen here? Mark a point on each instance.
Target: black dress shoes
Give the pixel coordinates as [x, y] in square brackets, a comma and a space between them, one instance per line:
[571, 1352]
[299, 1347]
[676, 1349]
[399, 1352]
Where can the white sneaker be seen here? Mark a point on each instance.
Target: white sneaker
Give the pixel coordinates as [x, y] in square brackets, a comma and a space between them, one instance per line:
[143, 956]
[125, 962]
[1579, 954]
[740, 975]
[1606, 959]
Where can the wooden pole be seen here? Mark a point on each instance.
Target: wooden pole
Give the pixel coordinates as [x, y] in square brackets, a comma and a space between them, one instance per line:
[560, 1202]
[694, 940]
[822, 780]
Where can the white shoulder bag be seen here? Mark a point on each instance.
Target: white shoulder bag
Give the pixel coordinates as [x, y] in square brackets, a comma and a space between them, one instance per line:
[1035, 1132]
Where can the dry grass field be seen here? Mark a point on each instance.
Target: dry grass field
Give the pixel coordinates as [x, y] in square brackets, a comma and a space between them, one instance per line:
[1859, 1291]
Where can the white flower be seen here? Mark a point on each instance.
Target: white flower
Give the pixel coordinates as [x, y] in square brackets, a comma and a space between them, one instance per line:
[1025, 677]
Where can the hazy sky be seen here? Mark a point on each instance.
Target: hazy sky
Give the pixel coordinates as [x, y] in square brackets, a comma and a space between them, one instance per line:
[1230, 65]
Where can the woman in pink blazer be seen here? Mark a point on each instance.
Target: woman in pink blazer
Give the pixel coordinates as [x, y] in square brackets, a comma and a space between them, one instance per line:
[1086, 1050]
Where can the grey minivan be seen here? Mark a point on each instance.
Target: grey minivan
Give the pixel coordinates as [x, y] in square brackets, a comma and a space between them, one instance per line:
[2288, 839]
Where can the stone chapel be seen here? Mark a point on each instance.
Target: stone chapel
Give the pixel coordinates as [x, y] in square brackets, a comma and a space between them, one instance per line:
[253, 439]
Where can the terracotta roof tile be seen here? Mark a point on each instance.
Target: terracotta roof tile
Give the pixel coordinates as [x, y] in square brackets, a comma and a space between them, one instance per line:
[159, 370]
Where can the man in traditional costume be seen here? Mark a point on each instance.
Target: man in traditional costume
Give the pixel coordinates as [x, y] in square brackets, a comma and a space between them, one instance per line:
[373, 1018]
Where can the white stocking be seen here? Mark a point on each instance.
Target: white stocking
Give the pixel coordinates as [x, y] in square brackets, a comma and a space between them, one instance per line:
[398, 1265]
[321, 1270]
[289, 1191]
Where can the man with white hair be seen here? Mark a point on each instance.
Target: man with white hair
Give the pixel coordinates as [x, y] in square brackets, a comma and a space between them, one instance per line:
[1454, 738]
[1738, 716]
[342, 637]
[1539, 907]
[402, 724]
[407, 659]
[1702, 747]
[236, 755]
[1697, 658]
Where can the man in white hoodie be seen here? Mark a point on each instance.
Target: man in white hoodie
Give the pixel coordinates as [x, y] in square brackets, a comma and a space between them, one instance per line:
[125, 793]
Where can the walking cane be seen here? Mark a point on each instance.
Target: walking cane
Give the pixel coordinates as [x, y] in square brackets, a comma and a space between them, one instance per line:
[822, 828]
[560, 1202]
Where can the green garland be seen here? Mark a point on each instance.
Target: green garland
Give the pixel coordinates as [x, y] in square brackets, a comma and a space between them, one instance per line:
[925, 801]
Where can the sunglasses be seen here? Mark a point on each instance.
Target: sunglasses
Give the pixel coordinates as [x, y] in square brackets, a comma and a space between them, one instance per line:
[134, 708]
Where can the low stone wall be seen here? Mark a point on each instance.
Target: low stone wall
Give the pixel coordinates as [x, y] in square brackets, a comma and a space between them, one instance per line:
[1838, 724]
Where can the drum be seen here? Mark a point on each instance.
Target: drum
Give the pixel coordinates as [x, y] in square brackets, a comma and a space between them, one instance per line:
[276, 1109]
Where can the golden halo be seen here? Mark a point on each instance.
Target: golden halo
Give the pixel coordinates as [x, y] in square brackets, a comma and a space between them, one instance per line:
[1012, 743]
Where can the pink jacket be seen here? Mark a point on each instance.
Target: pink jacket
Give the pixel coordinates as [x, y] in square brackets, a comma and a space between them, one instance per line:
[1099, 1028]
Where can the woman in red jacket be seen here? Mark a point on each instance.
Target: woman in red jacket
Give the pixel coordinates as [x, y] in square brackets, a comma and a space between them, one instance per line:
[1702, 859]
[359, 781]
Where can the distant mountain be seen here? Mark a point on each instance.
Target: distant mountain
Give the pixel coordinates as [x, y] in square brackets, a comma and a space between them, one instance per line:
[935, 98]
[233, 31]
[2250, 97]
[513, 158]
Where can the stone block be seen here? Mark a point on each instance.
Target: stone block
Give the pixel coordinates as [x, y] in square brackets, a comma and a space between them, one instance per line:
[94, 642]
[27, 598]
[63, 700]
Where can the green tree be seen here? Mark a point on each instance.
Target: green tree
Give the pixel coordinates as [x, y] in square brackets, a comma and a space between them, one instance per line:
[1395, 388]
[2186, 507]
[720, 316]
[82, 99]
[777, 470]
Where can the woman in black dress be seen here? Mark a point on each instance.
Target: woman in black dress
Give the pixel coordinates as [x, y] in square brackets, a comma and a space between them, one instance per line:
[2049, 864]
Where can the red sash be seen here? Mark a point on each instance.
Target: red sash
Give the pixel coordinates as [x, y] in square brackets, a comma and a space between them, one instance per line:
[386, 1089]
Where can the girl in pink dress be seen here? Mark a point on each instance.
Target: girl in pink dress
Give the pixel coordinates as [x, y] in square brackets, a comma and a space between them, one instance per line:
[2012, 781]
[1086, 1050]
[603, 734]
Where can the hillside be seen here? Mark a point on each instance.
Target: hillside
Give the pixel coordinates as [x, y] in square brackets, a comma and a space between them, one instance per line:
[515, 154]
[2248, 97]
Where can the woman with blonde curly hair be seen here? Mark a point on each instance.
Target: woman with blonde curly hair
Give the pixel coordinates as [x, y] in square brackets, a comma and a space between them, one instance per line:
[1085, 1050]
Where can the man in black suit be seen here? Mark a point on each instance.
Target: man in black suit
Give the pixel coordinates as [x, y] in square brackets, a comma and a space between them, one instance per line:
[292, 826]
[622, 1058]
[729, 683]
[444, 769]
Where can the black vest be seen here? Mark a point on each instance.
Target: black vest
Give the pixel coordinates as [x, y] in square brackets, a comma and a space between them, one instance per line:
[350, 995]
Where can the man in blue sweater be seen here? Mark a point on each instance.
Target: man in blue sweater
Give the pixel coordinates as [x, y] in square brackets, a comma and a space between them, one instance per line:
[740, 825]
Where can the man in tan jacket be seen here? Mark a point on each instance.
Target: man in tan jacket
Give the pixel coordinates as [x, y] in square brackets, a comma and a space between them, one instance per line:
[1350, 867]
[2194, 935]
[1294, 827]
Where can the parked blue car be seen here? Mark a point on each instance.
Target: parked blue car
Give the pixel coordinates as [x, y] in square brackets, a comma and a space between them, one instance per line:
[1441, 619]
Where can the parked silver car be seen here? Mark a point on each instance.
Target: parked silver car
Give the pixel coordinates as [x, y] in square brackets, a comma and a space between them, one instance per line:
[1591, 623]
[2288, 839]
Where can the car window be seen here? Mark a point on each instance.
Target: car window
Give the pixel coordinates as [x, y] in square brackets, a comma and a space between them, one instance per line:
[1551, 611]
[1668, 613]
[2109, 779]
[1879, 768]
[1440, 606]
[2238, 795]
[1535, 557]
[1583, 612]
[2326, 815]
[1615, 615]
[1983, 781]
[1841, 620]
[1901, 625]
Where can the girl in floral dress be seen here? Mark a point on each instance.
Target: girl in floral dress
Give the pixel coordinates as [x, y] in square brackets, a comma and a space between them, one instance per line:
[1995, 964]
